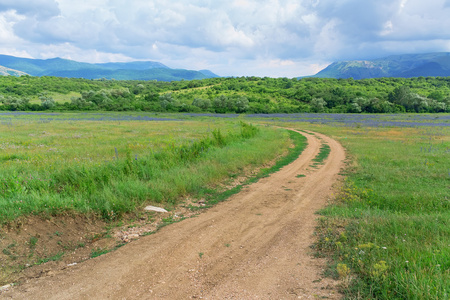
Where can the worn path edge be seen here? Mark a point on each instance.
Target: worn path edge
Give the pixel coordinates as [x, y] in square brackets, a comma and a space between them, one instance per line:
[256, 245]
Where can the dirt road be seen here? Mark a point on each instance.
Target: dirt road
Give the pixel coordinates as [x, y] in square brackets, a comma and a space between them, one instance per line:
[253, 246]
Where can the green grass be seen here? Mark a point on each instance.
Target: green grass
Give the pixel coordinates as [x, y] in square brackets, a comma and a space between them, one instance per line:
[388, 232]
[55, 257]
[109, 168]
[58, 97]
[324, 151]
[98, 252]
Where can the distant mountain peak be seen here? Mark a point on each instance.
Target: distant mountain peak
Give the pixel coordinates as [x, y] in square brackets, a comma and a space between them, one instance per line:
[405, 65]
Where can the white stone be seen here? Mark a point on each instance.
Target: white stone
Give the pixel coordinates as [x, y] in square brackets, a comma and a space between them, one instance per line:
[154, 208]
[5, 287]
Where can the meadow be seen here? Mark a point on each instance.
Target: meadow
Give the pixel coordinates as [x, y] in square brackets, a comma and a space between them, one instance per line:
[386, 231]
[112, 167]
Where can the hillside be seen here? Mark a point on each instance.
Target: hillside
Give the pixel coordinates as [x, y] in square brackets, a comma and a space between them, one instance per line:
[138, 70]
[227, 94]
[406, 66]
[7, 71]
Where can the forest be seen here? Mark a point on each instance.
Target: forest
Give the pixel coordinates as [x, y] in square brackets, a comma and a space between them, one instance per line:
[228, 95]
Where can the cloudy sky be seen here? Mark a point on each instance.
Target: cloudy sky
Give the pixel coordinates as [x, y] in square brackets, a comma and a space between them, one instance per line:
[276, 38]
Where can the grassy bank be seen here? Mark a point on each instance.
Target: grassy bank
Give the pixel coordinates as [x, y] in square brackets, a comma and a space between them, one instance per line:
[114, 167]
[388, 232]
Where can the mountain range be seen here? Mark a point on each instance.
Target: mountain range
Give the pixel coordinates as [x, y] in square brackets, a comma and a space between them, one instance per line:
[137, 70]
[406, 65]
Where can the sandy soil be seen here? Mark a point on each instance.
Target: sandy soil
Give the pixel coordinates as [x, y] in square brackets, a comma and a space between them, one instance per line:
[256, 245]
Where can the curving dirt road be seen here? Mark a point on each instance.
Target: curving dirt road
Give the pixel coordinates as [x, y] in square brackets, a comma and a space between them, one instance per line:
[253, 246]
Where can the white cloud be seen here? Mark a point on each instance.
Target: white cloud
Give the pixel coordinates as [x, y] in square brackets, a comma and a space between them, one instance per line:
[234, 37]
[7, 21]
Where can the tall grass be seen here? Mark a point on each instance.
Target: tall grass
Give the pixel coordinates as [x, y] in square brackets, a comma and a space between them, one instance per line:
[388, 231]
[171, 161]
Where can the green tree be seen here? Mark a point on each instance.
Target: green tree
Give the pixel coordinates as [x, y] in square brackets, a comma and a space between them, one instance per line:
[242, 104]
[47, 102]
[204, 104]
[168, 102]
[318, 105]
[221, 104]
[14, 103]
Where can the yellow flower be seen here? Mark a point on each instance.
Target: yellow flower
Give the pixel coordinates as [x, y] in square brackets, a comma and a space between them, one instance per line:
[379, 269]
[343, 270]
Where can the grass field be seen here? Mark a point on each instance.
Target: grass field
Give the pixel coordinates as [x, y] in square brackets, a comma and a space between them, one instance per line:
[115, 167]
[388, 230]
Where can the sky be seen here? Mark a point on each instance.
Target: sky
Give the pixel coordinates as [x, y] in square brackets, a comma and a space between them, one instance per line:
[274, 38]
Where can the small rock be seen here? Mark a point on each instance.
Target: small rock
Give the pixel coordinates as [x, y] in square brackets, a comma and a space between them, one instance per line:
[5, 287]
[154, 208]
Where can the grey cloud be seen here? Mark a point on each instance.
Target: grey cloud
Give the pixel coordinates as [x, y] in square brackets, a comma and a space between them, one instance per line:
[420, 20]
[359, 20]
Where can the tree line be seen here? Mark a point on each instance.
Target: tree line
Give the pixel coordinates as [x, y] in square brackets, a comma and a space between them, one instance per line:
[228, 95]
